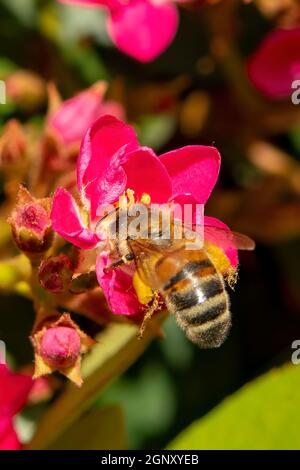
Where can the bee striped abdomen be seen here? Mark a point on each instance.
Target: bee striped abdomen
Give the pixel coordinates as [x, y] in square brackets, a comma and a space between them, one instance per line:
[196, 295]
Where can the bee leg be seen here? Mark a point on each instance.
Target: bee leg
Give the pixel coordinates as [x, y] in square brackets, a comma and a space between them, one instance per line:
[153, 306]
[117, 264]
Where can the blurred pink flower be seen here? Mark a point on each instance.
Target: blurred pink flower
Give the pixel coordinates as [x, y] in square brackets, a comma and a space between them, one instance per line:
[14, 391]
[75, 115]
[112, 161]
[275, 64]
[143, 29]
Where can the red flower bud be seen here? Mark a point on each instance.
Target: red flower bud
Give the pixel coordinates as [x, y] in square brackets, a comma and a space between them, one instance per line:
[55, 273]
[60, 346]
[31, 224]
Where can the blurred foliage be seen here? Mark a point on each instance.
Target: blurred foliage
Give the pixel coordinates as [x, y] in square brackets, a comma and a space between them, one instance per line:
[97, 430]
[252, 418]
[191, 94]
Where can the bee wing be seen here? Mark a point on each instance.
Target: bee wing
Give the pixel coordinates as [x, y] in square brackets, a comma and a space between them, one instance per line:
[227, 238]
[151, 247]
[218, 235]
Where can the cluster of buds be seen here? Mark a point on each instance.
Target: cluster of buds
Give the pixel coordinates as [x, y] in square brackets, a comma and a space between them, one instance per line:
[58, 342]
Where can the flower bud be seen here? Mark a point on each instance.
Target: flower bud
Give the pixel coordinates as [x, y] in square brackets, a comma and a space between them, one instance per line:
[31, 224]
[55, 273]
[58, 345]
[13, 144]
[26, 89]
[76, 115]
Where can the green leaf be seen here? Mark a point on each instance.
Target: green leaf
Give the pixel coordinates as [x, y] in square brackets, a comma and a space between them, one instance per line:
[156, 130]
[6, 67]
[99, 429]
[86, 61]
[7, 109]
[77, 22]
[148, 400]
[24, 10]
[66, 35]
[264, 414]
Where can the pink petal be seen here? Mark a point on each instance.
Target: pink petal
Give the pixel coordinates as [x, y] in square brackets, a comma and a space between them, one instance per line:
[146, 174]
[190, 212]
[66, 221]
[143, 29]
[276, 63]
[220, 234]
[77, 114]
[193, 169]
[118, 289]
[14, 390]
[8, 436]
[113, 108]
[93, 3]
[98, 165]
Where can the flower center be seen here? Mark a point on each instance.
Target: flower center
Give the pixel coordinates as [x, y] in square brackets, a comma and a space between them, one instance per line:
[128, 199]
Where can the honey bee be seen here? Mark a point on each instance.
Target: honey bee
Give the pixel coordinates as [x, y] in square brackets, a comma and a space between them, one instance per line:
[190, 284]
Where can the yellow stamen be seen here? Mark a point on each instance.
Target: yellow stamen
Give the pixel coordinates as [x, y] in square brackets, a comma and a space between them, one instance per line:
[122, 202]
[145, 199]
[130, 197]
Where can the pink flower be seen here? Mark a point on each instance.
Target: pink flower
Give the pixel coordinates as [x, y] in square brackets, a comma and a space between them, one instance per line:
[143, 29]
[75, 115]
[14, 390]
[276, 63]
[112, 161]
